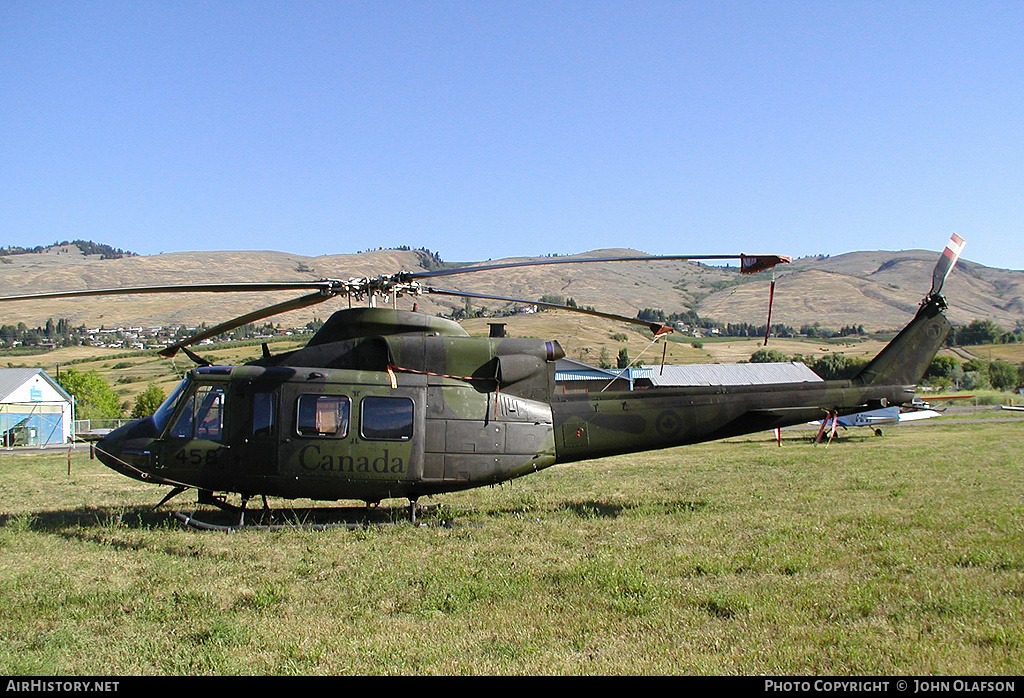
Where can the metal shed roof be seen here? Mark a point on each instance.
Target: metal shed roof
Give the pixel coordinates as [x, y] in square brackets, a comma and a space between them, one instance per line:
[726, 374]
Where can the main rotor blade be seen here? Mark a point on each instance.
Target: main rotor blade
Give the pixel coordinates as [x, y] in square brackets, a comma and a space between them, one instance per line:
[185, 288]
[227, 326]
[655, 327]
[946, 263]
[749, 264]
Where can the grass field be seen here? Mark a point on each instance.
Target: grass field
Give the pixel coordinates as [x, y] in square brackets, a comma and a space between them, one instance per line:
[870, 556]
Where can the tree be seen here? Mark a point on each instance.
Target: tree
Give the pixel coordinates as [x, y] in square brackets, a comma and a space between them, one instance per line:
[94, 399]
[942, 367]
[651, 315]
[1002, 375]
[979, 332]
[976, 366]
[768, 356]
[837, 366]
[943, 371]
[622, 361]
[148, 401]
[975, 375]
[975, 380]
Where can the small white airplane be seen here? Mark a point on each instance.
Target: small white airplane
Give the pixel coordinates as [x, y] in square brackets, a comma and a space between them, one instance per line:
[885, 415]
[917, 409]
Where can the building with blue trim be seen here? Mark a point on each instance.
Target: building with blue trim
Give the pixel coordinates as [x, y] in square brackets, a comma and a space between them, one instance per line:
[34, 409]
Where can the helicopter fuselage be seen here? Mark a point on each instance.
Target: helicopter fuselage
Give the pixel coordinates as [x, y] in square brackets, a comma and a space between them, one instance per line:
[329, 433]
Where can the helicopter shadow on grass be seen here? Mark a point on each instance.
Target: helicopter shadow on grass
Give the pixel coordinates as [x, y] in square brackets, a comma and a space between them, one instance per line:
[79, 522]
[83, 518]
[596, 509]
[312, 518]
[150, 518]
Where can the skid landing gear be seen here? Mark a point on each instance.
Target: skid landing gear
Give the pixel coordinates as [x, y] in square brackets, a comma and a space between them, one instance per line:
[170, 495]
[241, 518]
[220, 501]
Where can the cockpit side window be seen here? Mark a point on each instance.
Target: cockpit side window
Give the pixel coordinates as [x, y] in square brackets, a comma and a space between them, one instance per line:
[202, 416]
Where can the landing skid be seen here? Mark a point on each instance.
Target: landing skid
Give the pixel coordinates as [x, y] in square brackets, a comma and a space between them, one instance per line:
[189, 520]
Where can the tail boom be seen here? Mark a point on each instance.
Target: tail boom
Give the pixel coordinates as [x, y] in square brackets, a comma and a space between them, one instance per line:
[594, 425]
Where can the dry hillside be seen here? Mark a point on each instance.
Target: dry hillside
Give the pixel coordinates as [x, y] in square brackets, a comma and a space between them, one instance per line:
[879, 290]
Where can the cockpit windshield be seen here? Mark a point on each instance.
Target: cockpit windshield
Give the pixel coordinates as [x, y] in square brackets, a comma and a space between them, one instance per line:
[164, 412]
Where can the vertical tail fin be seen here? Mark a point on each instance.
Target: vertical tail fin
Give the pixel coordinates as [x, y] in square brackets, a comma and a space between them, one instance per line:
[906, 358]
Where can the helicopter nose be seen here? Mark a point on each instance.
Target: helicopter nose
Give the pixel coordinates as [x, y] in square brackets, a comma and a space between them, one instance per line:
[127, 448]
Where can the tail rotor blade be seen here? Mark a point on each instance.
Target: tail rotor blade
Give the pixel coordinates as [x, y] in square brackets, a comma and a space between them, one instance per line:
[946, 263]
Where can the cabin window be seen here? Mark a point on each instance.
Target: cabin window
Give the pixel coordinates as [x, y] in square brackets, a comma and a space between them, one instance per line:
[262, 414]
[322, 415]
[202, 417]
[386, 418]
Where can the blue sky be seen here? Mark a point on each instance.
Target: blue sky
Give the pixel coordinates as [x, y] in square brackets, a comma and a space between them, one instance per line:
[484, 130]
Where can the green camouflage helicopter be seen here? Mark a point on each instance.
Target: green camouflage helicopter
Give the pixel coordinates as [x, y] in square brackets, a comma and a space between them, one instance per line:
[384, 403]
